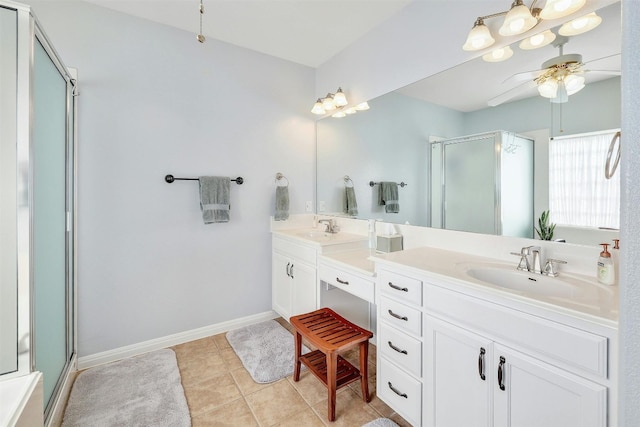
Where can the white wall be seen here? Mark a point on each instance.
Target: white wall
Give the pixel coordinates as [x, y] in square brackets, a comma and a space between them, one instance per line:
[154, 101]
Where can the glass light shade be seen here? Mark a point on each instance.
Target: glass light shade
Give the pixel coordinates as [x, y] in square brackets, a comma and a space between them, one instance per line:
[580, 25]
[327, 102]
[317, 107]
[362, 106]
[573, 83]
[339, 98]
[548, 89]
[479, 37]
[539, 40]
[562, 95]
[498, 55]
[339, 114]
[555, 9]
[519, 20]
[351, 110]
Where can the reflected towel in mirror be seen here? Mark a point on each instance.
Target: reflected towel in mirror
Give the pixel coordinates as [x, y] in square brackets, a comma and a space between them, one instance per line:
[388, 196]
[214, 198]
[350, 203]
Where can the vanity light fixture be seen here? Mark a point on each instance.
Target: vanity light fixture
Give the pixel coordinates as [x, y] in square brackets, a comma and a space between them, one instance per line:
[362, 106]
[498, 55]
[518, 20]
[580, 25]
[330, 102]
[537, 41]
[339, 114]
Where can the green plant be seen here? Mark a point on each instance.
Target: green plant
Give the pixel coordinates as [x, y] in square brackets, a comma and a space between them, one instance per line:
[546, 228]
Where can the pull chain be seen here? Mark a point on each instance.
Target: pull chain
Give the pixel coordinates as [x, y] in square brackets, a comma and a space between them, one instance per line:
[200, 37]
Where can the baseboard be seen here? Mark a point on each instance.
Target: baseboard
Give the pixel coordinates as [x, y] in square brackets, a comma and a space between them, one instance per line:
[57, 411]
[92, 360]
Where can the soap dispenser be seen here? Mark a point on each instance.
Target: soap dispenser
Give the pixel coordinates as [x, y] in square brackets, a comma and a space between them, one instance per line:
[606, 269]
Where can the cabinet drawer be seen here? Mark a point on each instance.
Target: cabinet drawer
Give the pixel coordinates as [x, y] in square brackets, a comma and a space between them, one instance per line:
[400, 348]
[401, 316]
[300, 252]
[565, 346]
[348, 282]
[400, 391]
[400, 287]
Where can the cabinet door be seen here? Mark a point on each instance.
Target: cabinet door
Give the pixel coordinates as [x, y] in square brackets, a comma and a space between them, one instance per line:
[304, 288]
[281, 283]
[457, 376]
[528, 392]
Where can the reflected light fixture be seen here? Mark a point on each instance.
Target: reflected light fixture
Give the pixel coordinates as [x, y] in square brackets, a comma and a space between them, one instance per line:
[580, 25]
[362, 106]
[336, 105]
[539, 40]
[518, 20]
[498, 55]
[555, 9]
[479, 37]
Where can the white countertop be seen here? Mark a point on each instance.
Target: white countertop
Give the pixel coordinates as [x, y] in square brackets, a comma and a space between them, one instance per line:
[359, 260]
[319, 238]
[591, 300]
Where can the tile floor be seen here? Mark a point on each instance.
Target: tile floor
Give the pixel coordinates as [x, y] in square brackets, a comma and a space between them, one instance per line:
[220, 392]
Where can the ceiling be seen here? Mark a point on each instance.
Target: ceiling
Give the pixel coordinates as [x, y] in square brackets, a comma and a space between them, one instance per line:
[307, 32]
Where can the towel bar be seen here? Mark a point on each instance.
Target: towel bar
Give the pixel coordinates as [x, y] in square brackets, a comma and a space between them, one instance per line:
[170, 178]
[371, 184]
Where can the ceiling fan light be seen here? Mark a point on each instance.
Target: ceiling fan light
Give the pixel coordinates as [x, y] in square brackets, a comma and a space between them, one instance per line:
[573, 83]
[548, 88]
[580, 25]
[317, 107]
[539, 40]
[498, 55]
[479, 37]
[555, 9]
[561, 96]
[339, 98]
[328, 103]
[518, 20]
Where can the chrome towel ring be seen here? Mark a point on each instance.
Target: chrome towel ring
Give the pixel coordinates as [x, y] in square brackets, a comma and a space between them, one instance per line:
[279, 178]
[609, 170]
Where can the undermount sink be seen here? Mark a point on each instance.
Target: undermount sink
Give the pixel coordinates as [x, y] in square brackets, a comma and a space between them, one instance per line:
[522, 281]
[316, 235]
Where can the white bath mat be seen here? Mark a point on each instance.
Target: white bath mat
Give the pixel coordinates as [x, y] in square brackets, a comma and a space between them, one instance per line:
[381, 422]
[266, 350]
[140, 391]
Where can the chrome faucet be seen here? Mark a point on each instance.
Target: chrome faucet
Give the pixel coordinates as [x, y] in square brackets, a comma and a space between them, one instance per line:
[529, 259]
[332, 227]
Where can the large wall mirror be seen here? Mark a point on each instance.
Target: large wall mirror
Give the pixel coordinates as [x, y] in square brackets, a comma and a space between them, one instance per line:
[392, 141]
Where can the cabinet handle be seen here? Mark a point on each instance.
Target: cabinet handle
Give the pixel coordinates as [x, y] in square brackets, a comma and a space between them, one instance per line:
[501, 373]
[291, 270]
[481, 363]
[399, 350]
[405, 318]
[398, 288]
[344, 282]
[393, 389]
[288, 274]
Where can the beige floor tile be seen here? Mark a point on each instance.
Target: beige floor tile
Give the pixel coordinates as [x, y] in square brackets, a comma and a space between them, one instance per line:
[399, 420]
[245, 383]
[276, 403]
[231, 358]
[199, 348]
[221, 341]
[357, 388]
[210, 394]
[306, 418]
[197, 369]
[351, 410]
[234, 414]
[309, 387]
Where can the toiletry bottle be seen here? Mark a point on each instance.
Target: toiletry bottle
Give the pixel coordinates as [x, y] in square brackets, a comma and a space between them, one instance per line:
[372, 236]
[606, 269]
[615, 256]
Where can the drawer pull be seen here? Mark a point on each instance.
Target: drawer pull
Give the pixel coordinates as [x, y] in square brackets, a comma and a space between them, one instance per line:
[393, 389]
[397, 316]
[481, 364]
[288, 264]
[501, 373]
[398, 288]
[291, 270]
[344, 282]
[399, 350]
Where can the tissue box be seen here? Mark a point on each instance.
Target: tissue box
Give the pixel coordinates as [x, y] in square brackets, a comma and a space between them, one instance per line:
[389, 243]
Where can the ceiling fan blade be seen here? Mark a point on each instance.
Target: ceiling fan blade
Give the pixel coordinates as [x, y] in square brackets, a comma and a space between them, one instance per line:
[600, 59]
[505, 96]
[608, 72]
[525, 75]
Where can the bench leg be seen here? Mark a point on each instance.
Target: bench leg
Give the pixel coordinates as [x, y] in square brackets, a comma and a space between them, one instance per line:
[298, 352]
[332, 368]
[364, 379]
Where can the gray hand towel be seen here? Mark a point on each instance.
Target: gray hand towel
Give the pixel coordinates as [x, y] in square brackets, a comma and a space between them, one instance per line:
[282, 203]
[350, 204]
[214, 198]
[388, 196]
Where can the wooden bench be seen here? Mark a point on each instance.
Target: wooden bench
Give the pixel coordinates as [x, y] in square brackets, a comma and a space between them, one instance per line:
[330, 334]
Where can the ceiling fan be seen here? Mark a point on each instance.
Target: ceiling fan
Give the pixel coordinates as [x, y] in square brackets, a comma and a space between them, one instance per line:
[557, 78]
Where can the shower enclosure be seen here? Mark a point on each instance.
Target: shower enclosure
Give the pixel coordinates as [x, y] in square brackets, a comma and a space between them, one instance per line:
[37, 205]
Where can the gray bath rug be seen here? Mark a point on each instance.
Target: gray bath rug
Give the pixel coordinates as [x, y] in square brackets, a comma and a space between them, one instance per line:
[381, 422]
[266, 350]
[140, 391]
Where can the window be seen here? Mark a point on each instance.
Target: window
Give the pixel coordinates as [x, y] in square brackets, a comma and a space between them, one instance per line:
[579, 193]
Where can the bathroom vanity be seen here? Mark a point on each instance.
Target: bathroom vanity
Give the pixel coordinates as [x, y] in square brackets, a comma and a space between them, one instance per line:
[461, 339]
